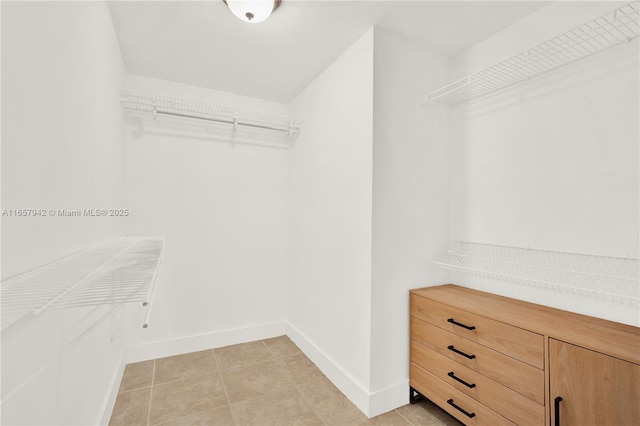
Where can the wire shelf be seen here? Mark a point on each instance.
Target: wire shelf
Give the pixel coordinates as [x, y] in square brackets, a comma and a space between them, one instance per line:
[122, 270]
[158, 105]
[620, 26]
[615, 279]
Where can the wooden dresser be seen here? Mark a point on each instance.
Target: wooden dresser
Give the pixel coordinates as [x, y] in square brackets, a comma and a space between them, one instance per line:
[491, 360]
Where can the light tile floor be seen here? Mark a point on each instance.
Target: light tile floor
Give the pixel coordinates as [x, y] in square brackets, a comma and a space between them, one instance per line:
[267, 382]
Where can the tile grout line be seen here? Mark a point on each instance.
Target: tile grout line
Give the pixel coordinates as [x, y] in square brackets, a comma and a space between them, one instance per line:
[134, 389]
[153, 380]
[204, 410]
[406, 419]
[312, 405]
[174, 380]
[301, 394]
[298, 389]
[191, 377]
[224, 385]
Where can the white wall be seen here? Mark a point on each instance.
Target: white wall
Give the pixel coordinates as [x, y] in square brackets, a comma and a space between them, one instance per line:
[552, 164]
[329, 245]
[62, 131]
[222, 209]
[62, 128]
[410, 202]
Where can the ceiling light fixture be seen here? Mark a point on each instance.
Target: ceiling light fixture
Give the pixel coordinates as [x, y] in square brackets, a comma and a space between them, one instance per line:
[252, 11]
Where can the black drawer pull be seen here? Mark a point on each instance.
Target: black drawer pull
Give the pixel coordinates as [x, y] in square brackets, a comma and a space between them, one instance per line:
[465, 412]
[556, 407]
[451, 348]
[459, 324]
[453, 376]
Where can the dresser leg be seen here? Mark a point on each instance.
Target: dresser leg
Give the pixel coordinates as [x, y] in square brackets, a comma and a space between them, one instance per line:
[414, 395]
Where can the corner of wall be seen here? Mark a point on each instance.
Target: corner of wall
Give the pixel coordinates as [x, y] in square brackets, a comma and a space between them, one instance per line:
[410, 202]
[329, 220]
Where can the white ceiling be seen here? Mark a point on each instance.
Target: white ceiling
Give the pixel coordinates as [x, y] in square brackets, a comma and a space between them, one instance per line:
[202, 44]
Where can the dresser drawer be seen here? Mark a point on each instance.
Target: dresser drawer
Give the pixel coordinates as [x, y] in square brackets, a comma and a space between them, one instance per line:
[444, 395]
[504, 401]
[513, 341]
[514, 374]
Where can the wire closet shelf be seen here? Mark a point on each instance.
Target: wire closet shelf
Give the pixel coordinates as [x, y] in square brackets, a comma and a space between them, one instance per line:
[122, 270]
[615, 279]
[619, 26]
[160, 105]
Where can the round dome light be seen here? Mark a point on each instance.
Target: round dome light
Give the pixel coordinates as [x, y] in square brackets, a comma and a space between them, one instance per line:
[252, 11]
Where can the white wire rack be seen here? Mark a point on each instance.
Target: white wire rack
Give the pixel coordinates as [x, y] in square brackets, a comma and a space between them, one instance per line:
[620, 26]
[237, 119]
[122, 270]
[610, 278]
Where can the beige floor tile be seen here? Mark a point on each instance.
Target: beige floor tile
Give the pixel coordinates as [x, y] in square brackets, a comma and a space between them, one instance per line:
[300, 368]
[317, 388]
[180, 367]
[131, 408]
[338, 410]
[282, 347]
[392, 418]
[426, 413]
[440, 414]
[136, 376]
[216, 417]
[181, 398]
[291, 410]
[242, 355]
[268, 382]
[264, 379]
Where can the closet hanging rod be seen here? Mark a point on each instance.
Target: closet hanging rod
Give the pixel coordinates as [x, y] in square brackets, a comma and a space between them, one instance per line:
[155, 105]
[216, 120]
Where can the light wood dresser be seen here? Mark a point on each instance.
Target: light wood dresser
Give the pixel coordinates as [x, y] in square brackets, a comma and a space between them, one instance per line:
[491, 360]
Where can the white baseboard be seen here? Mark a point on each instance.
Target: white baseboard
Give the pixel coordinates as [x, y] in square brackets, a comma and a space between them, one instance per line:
[110, 400]
[388, 399]
[371, 404]
[347, 384]
[200, 342]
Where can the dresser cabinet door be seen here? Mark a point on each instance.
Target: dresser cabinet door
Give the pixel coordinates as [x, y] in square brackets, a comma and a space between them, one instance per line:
[589, 388]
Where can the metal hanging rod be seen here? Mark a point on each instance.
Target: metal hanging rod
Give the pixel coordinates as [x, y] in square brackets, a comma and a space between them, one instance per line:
[619, 26]
[122, 270]
[604, 277]
[214, 120]
[181, 108]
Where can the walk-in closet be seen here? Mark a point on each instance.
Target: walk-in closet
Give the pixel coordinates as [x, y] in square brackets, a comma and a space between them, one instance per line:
[320, 212]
